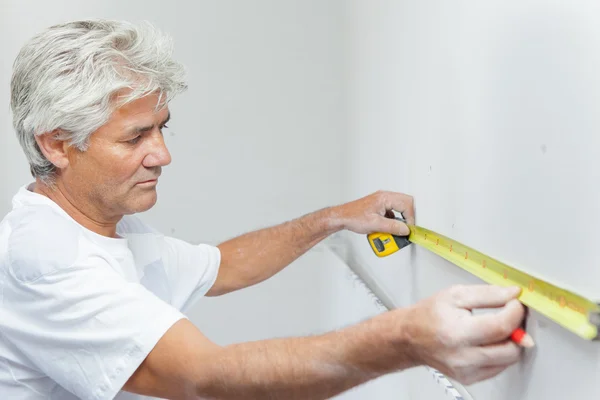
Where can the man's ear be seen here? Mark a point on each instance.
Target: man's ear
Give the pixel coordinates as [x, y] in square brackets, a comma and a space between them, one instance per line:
[54, 148]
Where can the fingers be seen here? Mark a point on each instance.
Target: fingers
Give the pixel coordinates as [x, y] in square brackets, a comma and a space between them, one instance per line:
[493, 328]
[487, 361]
[500, 354]
[483, 296]
[402, 203]
[497, 358]
[483, 374]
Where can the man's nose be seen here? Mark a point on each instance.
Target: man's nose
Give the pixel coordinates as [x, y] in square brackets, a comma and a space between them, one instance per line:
[159, 155]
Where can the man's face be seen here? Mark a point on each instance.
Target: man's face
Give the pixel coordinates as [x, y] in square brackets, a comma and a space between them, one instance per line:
[118, 173]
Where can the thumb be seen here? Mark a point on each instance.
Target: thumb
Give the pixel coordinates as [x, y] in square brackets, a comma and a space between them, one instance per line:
[393, 226]
[485, 296]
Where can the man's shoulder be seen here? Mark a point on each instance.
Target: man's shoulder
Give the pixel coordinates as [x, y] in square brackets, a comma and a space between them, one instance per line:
[37, 240]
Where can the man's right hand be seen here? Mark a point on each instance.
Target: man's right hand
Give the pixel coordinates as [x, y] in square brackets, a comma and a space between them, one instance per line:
[469, 348]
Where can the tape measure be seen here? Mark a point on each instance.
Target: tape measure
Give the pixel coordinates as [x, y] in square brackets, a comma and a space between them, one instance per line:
[575, 313]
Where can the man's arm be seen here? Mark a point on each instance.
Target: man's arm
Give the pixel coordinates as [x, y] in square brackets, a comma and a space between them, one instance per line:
[439, 331]
[256, 256]
[292, 368]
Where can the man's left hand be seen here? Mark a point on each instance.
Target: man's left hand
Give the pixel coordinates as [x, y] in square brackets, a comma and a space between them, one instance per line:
[374, 213]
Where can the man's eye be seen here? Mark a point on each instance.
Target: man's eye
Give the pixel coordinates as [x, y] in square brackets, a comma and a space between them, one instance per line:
[135, 139]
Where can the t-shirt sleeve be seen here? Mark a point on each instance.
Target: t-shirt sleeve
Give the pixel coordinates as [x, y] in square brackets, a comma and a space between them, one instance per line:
[192, 270]
[83, 325]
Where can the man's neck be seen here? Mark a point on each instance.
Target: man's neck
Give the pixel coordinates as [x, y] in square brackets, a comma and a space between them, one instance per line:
[58, 194]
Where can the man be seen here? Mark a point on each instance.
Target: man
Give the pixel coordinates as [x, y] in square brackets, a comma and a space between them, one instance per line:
[91, 297]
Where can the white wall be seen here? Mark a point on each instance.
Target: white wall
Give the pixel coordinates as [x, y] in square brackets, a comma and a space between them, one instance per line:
[487, 112]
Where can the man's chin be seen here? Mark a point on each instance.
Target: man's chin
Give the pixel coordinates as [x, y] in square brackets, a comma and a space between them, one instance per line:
[143, 202]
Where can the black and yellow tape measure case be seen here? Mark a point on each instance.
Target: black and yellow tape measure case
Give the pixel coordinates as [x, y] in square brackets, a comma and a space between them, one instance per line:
[384, 244]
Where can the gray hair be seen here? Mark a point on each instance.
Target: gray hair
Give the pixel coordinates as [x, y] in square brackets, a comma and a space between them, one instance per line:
[66, 77]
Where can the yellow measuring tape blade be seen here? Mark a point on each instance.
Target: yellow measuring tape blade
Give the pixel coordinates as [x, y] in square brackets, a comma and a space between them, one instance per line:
[568, 309]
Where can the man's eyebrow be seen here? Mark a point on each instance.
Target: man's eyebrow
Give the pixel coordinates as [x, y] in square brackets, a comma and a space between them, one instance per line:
[150, 127]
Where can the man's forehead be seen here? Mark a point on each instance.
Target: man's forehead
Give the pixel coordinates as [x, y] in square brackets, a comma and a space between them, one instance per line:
[149, 106]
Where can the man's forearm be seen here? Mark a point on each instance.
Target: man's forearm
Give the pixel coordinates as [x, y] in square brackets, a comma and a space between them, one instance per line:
[256, 256]
[316, 367]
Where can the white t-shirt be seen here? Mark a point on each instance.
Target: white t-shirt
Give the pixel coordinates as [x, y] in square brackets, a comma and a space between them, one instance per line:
[79, 312]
